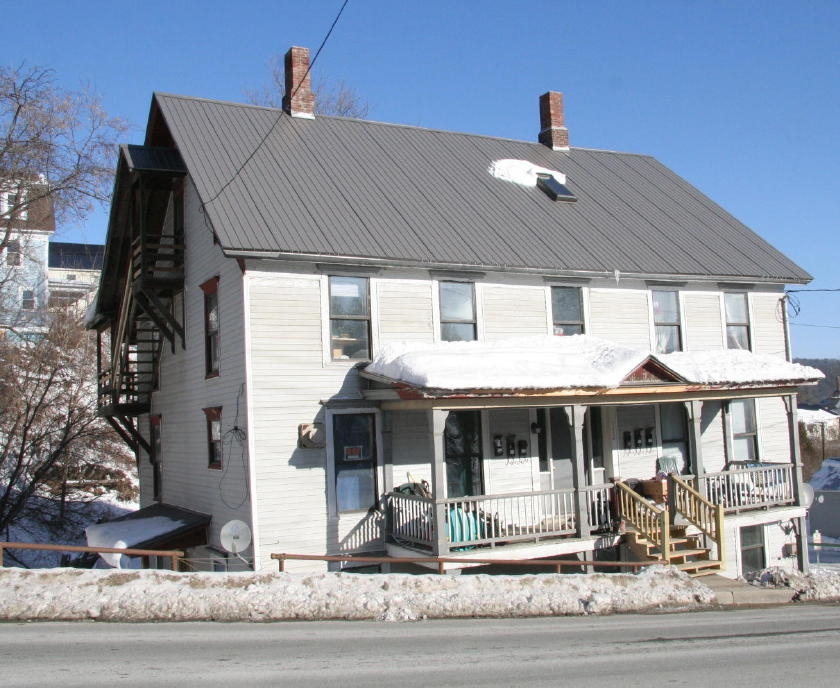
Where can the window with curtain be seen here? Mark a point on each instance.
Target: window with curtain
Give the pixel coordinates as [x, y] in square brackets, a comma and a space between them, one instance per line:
[666, 320]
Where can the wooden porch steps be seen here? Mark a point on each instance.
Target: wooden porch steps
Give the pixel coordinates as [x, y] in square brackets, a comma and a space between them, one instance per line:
[686, 552]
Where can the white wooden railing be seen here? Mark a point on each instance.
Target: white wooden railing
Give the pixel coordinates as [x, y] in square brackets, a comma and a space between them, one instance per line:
[739, 489]
[496, 519]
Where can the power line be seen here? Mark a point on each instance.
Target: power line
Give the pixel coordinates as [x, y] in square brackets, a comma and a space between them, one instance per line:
[280, 112]
[829, 327]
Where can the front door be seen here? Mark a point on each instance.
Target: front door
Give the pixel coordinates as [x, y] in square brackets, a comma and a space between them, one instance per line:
[462, 437]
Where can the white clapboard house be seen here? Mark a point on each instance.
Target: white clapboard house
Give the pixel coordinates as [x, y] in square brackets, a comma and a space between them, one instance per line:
[303, 317]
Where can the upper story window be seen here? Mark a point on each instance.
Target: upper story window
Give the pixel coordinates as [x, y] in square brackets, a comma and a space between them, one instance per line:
[457, 312]
[349, 318]
[27, 300]
[211, 326]
[666, 320]
[567, 310]
[744, 432]
[12, 200]
[214, 436]
[736, 307]
[13, 252]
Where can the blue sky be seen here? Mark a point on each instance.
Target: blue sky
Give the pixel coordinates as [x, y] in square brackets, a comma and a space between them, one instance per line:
[742, 98]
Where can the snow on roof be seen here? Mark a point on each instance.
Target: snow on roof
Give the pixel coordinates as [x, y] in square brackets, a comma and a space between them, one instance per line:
[816, 416]
[576, 361]
[128, 533]
[828, 476]
[521, 363]
[735, 366]
[522, 172]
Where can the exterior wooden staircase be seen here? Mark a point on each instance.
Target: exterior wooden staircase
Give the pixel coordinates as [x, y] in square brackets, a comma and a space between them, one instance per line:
[686, 551]
[652, 533]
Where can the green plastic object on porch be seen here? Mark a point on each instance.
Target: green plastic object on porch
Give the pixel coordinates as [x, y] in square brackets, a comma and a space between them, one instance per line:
[463, 527]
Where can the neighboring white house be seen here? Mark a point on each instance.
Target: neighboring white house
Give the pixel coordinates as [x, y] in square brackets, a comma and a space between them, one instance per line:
[298, 314]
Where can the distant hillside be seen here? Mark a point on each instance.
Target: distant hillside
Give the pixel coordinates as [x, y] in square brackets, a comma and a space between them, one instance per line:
[826, 387]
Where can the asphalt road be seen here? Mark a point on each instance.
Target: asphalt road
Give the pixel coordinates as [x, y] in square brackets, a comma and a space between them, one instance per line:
[793, 645]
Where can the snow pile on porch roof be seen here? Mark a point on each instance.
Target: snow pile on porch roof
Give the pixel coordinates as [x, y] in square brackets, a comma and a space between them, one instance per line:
[573, 362]
[736, 367]
[576, 361]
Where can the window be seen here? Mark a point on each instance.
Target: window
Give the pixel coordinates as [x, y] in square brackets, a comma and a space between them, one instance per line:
[211, 326]
[12, 199]
[666, 320]
[567, 310]
[737, 311]
[27, 300]
[214, 436]
[744, 435]
[354, 456]
[155, 456]
[673, 426]
[13, 252]
[753, 558]
[349, 318]
[457, 312]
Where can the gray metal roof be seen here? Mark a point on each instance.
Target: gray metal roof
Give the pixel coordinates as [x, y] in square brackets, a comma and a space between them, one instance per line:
[342, 187]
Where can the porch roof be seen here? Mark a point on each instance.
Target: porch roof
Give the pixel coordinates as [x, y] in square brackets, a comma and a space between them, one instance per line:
[574, 365]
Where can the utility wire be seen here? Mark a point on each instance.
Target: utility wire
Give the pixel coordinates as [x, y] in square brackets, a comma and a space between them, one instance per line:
[280, 112]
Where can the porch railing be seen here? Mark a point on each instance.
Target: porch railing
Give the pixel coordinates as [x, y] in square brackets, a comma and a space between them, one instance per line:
[651, 521]
[699, 511]
[752, 486]
[496, 519]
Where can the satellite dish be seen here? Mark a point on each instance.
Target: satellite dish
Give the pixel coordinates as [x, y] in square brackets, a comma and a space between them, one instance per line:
[235, 536]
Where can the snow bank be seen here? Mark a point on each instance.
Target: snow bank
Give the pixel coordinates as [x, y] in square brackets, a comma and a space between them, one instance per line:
[820, 584]
[152, 595]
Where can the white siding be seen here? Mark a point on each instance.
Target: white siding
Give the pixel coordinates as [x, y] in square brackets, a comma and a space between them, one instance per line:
[702, 317]
[768, 330]
[620, 315]
[513, 311]
[712, 440]
[411, 447]
[405, 310]
[185, 391]
[504, 474]
[773, 435]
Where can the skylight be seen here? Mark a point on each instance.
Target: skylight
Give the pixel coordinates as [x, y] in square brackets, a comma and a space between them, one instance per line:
[554, 188]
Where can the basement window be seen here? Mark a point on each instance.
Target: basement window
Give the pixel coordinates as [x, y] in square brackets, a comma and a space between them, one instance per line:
[554, 189]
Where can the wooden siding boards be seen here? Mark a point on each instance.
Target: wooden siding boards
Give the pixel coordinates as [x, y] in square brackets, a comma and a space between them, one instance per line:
[772, 430]
[620, 315]
[405, 310]
[703, 323]
[767, 324]
[332, 186]
[513, 311]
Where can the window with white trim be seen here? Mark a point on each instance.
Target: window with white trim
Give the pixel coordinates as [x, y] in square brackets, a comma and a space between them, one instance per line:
[349, 318]
[666, 320]
[737, 310]
[13, 252]
[211, 326]
[27, 300]
[567, 310]
[744, 430]
[457, 312]
[354, 460]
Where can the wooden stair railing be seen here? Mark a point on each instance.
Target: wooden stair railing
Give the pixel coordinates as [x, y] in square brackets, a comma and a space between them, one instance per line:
[699, 511]
[651, 521]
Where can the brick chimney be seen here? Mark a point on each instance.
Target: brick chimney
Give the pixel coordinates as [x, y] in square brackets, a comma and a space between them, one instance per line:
[553, 132]
[298, 101]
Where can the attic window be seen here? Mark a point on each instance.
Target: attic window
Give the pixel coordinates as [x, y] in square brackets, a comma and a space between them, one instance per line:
[553, 188]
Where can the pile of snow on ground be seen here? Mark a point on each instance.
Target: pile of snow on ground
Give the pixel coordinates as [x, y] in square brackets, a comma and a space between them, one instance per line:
[153, 595]
[820, 584]
[828, 476]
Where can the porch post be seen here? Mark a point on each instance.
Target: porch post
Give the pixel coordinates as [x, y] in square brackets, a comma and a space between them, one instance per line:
[796, 460]
[694, 410]
[576, 415]
[437, 424]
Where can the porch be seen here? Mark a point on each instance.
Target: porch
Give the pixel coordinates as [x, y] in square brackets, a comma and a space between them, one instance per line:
[569, 521]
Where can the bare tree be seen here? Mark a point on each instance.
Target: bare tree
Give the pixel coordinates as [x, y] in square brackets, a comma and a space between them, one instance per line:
[331, 97]
[50, 435]
[56, 150]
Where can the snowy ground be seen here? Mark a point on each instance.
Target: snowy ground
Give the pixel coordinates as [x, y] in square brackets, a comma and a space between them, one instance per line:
[117, 595]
